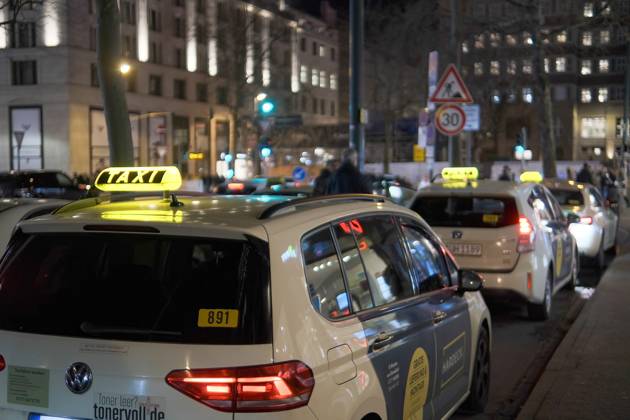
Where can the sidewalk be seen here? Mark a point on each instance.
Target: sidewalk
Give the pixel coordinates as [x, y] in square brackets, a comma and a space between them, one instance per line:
[588, 377]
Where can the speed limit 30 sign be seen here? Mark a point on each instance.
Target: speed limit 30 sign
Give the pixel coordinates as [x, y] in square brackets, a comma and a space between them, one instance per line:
[450, 120]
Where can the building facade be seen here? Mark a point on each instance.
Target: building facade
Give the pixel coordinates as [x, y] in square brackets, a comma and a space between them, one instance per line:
[193, 70]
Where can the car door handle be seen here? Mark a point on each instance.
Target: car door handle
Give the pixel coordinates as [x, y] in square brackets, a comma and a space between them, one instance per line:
[382, 340]
[439, 316]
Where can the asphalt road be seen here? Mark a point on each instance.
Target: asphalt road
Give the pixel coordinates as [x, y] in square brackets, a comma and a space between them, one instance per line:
[521, 348]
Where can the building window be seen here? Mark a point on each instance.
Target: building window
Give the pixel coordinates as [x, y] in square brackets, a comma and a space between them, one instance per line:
[315, 50]
[155, 53]
[561, 64]
[585, 96]
[303, 74]
[480, 41]
[130, 81]
[495, 68]
[528, 95]
[128, 13]
[24, 72]
[619, 64]
[511, 40]
[588, 9]
[511, 67]
[94, 75]
[202, 92]
[604, 65]
[495, 40]
[527, 66]
[478, 68]
[304, 103]
[602, 94]
[28, 122]
[617, 93]
[587, 38]
[180, 27]
[333, 54]
[322, 51]
[128, 44]
[333, 81]
[92, 38]
[179, 89]
[605, 5]
[333, 108]
[322, 106]
[314, 77]
[465, 47]
[23, 35]
[314, 104]
[496, 97]
[155, 20]
[155, 85]
[561, 38]
[323, 80]
[560, 93]
[180, 58]
[222, 95]
[303, 44]
[527, 38]
[586, 67]
[511, 96]
[593, 127]
[604, 37]
[546, 64]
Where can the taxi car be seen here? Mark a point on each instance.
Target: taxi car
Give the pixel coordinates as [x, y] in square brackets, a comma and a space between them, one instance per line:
[174, 307]
[515, 235]
[596, 227]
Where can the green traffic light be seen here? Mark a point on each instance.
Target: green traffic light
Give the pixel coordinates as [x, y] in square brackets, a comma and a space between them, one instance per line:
[267, 107]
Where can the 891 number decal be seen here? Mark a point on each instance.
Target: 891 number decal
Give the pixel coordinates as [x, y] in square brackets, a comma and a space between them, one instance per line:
[218, 318]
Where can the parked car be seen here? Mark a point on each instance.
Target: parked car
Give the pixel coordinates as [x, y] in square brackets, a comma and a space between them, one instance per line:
[39, 184]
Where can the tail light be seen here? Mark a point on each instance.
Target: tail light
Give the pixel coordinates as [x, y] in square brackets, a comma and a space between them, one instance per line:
[586, 220]
[525, 235]
[236, 186]
[3, 364]
[277, 387]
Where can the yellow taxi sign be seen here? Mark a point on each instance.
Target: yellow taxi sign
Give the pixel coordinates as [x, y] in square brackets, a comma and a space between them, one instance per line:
[534, 177]
[139, 179]
[460, 174]
[195, 155]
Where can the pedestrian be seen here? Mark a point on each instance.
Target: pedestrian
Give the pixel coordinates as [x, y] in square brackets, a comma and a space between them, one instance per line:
[322, 181]
[570, 174]
[347, 179]
[506, 174]
[585, 176]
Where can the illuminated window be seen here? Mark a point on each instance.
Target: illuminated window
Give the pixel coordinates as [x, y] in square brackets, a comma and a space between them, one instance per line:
[587, 38]
[546, 64]
[527, 66]
[605, 8]
[322, 51]
[480, 41]
[604, 65]
[495, 40]
[585, 96]
[323, 80]
[604, 37]
[511, 40]
[586, 67]
[314, 77]
[588, 9]
[333, 81]
[602, 94]
[496, 97]
[303, 74]
[561, 64]
[561, 38]
[527, 38]
[495, 68]
[528, 95]
[478, 69]
[465, 47]
[511, 67]
[593, 127]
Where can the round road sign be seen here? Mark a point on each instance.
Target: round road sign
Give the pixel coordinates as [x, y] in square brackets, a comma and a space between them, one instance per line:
[450, 120]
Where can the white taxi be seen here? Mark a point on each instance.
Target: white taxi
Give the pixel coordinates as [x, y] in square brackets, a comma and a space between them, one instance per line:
[595, 228]
[515, 235]
[236, 307]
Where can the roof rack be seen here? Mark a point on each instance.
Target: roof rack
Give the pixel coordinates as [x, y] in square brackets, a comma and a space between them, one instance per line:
[325, 199]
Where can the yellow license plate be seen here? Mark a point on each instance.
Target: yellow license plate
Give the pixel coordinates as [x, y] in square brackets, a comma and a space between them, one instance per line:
[491, 218]
[218, 318]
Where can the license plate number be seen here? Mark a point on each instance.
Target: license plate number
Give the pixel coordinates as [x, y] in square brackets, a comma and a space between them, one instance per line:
[466, 249]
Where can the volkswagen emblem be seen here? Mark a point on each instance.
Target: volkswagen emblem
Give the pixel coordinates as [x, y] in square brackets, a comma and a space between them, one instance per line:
[457, 234]
[79, 378]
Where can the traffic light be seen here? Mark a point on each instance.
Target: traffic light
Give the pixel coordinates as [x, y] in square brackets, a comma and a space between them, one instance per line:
[519, 147]
[266, 107]
[264, 148]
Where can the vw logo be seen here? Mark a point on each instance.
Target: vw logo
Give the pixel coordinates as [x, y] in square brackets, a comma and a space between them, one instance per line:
[457, 234]
[79, 378]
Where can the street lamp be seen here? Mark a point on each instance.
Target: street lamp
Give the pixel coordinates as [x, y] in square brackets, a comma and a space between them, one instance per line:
[125, 68]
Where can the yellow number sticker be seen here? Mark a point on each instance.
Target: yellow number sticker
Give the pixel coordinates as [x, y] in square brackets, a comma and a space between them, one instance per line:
[218, 318]
[491, 218]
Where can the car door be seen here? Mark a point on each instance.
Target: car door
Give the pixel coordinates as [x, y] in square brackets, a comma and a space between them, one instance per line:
[546, 225]
[604, 216]
[561, 225]
[449, 312]
[397, 320]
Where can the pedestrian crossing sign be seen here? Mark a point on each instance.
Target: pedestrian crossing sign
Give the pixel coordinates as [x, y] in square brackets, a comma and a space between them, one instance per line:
[451, 88]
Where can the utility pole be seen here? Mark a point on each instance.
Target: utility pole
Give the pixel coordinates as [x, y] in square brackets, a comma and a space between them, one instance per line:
[454, 157]
[357, 130]
[626, 110]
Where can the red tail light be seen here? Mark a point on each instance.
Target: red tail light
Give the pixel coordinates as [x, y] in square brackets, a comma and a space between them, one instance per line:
[282, 386]
[525, 235]
[3, 364]
[586, 220]
[236, 186]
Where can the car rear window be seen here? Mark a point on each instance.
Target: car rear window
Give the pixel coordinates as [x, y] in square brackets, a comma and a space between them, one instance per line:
[478, 211]
[568, 197]
[141, 288]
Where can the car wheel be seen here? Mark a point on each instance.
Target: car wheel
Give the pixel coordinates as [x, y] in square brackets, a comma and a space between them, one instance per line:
[480, 385]
[613, 249]
[542, 311]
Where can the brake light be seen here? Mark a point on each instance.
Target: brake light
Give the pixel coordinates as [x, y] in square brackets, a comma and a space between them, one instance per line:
[236, 186]
[281, 386]
[525, 235]
[586, 220]
[3, 364]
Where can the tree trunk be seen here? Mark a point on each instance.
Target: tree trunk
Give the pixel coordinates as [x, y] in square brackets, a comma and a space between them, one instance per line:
[112, 84]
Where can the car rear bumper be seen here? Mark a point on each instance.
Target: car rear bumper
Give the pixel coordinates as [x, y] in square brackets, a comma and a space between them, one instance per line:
[516, 285]
[587, 237]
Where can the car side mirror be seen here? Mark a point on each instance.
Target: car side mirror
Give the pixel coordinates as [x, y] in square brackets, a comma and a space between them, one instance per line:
[469, 281]
[573, 218]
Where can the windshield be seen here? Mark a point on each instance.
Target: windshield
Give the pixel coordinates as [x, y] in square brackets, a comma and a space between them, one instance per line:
[484, 212]
[568, 197]
[132, 287]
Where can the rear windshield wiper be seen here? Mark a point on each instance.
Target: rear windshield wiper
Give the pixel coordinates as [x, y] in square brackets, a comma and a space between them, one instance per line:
[96, 330]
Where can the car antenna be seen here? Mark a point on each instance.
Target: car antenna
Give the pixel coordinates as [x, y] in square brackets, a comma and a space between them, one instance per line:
[172, 198]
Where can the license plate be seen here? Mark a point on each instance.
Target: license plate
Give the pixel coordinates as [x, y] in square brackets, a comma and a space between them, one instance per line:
[466, 249]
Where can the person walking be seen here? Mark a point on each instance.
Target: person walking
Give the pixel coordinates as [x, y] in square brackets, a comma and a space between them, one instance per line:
[506, 174]
[322, 181]
[347, 179]
[585, 176]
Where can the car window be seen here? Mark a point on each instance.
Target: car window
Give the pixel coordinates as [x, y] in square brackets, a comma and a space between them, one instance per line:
[323, 275]
[596, 198]
[540, 205]
[382, 252]
[64, 181]
[568, 197]
[553, 205]
[427, 262]
[466, 211]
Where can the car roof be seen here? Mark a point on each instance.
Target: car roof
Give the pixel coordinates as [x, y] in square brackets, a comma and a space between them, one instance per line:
[490, 187]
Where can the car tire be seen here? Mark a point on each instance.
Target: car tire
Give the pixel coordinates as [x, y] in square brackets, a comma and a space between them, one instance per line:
[480, 385]
[542, 311]
[613, 249]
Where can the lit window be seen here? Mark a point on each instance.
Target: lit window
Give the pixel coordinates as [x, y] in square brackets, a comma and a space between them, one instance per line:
[527, 38]
[479, 41]
[604, 37]
[561, 38]
[333, 81]
[586, 67]
[602, 95]
[511, 96]
[593, 127]
[527, 66]
[495, 39]
[588, 9]
[585, 96]
[511, 67]
[511, 40]
[496, 97]
[561, 64]
[303, 74]
[587, 39]
[323, 80]
[322, 51]
[546, 65]
[528, 95]
[605, 8]
[465, 47]
[478, 69]
[604, 65]
[314, 77]
[495, 68]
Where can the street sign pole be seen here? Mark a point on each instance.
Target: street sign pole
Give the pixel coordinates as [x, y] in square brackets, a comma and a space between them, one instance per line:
[357, 129]
[19, 138]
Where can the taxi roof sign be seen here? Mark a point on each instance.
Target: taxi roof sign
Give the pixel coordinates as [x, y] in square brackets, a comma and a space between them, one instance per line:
[139, 179]
[534, 177]
[460, 174]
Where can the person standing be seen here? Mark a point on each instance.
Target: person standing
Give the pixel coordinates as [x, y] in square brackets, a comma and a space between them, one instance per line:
[506, 174]
[585, 176]
[347, 179]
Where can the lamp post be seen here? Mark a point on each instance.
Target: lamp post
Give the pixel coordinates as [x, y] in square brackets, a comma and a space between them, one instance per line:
[19, 137]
